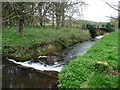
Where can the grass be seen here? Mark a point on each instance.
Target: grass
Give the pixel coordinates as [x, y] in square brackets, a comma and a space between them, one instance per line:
[98, 68]
[46, 41]
[39, 35]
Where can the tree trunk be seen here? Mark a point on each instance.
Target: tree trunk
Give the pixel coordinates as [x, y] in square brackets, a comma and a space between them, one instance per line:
[57, 21]
[63, 15]
[9, 19]
[119, 21]
[32, 17]
[119, 14]
[53, 13]
[44, 21]
[21, 23]
[21, 32]
[53, 20]
[70, 21]
[63, 19]
[40, 14]
[58, 16]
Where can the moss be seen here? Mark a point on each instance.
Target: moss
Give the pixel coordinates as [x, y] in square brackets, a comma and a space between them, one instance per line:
[20, 57]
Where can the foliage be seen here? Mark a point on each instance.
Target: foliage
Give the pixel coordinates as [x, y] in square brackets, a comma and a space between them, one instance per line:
[41, 39]
[102, 80]
[109, 27]
[88, 26]
[82, 72]
[39, 35]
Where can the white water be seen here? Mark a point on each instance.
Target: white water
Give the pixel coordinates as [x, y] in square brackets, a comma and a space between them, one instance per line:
[57, 67]
[99, 37]
[39, 66]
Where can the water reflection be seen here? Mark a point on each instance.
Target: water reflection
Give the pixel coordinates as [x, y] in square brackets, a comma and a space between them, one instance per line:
[16, 76]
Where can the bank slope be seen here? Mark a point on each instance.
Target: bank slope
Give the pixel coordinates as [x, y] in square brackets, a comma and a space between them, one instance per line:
[39, 42]
[98, 68]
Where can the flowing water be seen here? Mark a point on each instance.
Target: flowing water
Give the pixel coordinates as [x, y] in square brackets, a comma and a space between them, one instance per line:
[37, 74]
[17, 76]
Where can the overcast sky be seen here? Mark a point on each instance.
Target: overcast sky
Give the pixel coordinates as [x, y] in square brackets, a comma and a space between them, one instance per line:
[97, 10]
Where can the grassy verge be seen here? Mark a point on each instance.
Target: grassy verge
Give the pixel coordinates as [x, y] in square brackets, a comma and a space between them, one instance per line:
[39, 41]
[98, 68]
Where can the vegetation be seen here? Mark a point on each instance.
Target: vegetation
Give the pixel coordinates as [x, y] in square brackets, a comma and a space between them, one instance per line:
[109, 27]
[98, 68]
[33, 14]
[39, 35]
[45, 41]
[31, 29]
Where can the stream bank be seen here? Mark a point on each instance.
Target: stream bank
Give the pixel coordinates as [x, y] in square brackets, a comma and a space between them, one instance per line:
[67, 55]
[39, 42]
[97, 68]
[23, 74]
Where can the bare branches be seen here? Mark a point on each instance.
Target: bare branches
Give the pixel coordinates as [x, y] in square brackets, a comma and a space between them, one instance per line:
[111, 17]
[8, 16]
[43, 11]
[115, 8]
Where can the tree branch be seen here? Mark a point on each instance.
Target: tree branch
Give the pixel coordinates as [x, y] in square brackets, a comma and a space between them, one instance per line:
[112, 6]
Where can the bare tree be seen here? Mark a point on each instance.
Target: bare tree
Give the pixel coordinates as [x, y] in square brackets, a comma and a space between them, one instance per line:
[23, 13]
[117, 8]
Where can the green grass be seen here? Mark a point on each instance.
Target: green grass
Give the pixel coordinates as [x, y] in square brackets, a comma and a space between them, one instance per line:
[101, 80]
[46, 41]
[82, 71]
[39, 35]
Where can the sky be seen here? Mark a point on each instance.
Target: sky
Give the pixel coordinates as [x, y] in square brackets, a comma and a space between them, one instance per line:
[97, 10]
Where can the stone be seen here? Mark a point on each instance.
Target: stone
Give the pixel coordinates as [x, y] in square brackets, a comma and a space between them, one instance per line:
[48, 59]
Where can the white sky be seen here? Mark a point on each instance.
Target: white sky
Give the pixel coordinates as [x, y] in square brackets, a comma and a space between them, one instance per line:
[97, 10]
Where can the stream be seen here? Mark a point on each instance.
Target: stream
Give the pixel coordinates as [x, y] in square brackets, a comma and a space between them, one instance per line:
[37, 74]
